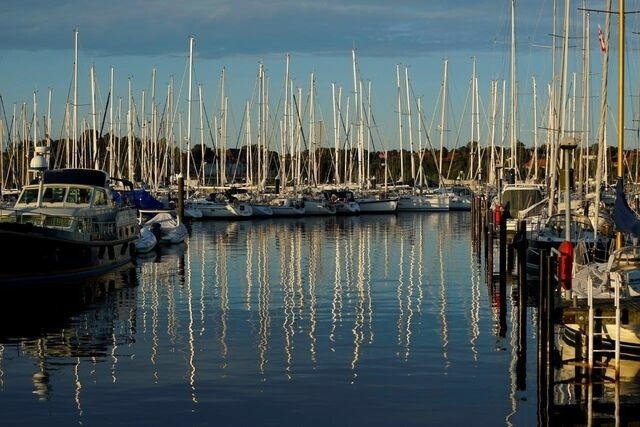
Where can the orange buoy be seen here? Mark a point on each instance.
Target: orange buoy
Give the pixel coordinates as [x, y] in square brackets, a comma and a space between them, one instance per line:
[565, 264]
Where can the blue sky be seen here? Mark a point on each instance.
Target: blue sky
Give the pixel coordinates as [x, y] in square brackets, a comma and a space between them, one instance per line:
[138, 37]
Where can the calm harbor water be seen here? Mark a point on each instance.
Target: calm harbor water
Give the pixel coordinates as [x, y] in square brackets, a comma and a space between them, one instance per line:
[369, 320]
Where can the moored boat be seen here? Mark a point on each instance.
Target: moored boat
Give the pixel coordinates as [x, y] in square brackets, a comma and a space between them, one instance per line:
[147, 241]
[68, 225]
[317, 206]
[426, 202]
[171, 229]
[343, 200]
[377, 205]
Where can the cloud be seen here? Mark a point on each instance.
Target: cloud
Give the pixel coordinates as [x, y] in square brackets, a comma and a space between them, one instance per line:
[251, 27]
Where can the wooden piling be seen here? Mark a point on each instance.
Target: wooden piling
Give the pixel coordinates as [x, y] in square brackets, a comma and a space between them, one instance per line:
[180, 202]
[521, 365]
[543, 341]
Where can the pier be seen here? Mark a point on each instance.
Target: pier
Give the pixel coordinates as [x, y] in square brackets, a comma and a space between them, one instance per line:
[582, 383]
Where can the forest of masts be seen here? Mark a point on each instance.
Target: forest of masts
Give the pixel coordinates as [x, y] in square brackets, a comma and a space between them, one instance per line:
[151, 142]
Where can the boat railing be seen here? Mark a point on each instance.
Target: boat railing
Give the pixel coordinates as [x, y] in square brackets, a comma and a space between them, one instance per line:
[91, 228]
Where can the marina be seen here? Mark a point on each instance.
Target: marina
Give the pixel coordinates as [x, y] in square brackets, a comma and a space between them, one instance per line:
[319, 252]
[347, 320]
[355, 320]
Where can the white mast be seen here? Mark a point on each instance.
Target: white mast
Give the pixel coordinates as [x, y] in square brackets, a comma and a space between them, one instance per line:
[400, 122]
[154, 132]
[249, 157]
[130, 171]
[111, 151]
[313, 180]
[442, 118]
[223, 129]
[336, 134]
[285, 125]
[188, 140]
[94, 140]
[492, 139]
[583, 168]
[202, 142]
[410, 130]
[535, 129]
[75, 100]
[473, 118]
[514, 92]
[358, 114]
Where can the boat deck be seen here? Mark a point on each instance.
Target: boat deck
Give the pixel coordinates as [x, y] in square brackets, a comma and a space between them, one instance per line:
[578, 311]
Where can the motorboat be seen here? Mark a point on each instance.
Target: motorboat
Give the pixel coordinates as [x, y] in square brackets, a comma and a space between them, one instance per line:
[68, 223]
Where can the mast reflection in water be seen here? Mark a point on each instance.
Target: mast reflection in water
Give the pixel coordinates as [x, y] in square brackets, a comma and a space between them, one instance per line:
[369, 320]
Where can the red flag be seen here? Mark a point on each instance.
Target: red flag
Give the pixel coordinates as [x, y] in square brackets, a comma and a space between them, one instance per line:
[603, 46]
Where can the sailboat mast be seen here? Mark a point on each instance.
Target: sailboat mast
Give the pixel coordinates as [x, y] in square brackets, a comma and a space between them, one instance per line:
[621, 59]
[191, 39]
[442, 118]
[130, 172]
[111, 149]
[400, 122]
[336, 134]
[473, 117]
[409, 125]
[514, 93]
[535, 129]
[583, 167]
[74, 125]
[285, 125]
[492, 139]
[94, 141]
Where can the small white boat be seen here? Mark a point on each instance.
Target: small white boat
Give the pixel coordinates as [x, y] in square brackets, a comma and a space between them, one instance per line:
[377, 205]
[427, 202]
[317, 207]
[287, 206]
[343, 200]
[460, 197]
[260, 210]
[146, 242]
[214, 207]
[172, 230]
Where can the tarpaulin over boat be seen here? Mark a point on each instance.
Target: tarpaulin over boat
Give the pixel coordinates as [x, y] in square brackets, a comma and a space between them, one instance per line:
[625, 219]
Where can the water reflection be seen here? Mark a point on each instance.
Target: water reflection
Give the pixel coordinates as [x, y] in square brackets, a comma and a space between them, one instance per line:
[72, 324]
[313, 313]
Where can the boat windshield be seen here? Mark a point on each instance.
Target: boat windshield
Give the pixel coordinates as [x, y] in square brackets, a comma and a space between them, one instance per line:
[53, 195]
[79, 195]
[29, 195]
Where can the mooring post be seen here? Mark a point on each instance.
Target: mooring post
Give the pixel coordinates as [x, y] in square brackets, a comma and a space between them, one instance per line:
[180, 204]
[549, 323]
[521, 367]
[543, 398]
[503, 250]
[488, 230]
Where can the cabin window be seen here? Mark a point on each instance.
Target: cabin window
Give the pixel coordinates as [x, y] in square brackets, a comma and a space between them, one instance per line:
[79, 195]
[53, 195]
[29, 195]
[100, 198]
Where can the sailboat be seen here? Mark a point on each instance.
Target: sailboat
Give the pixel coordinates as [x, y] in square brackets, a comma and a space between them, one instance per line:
[618, 278]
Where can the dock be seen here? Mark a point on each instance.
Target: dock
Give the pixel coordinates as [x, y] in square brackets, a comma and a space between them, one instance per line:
[576, 384]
